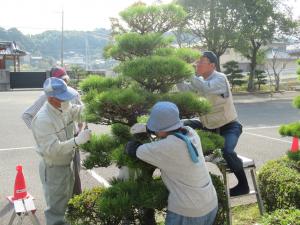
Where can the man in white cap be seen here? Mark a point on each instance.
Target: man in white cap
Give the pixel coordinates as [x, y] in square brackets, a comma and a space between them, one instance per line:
[53, 130]
[178, 154]
[214, 86]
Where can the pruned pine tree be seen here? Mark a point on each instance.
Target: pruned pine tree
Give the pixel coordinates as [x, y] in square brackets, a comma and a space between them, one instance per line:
[234, 74]
[148, 70]
[260, 78]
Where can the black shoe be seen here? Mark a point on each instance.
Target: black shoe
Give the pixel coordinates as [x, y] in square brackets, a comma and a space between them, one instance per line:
[239, 190]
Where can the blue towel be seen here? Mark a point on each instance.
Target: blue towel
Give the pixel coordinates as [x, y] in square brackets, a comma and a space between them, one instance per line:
[191, 148]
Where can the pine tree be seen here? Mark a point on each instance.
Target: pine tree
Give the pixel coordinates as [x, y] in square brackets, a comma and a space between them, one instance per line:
[233, 74]
[260, 78]
[148, 70]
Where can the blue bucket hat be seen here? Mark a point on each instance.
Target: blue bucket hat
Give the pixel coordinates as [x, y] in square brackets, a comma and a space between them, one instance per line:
[164, 116]
[54, 87]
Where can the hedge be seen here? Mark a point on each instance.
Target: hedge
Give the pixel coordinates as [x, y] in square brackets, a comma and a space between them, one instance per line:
[279, 182]
[282, 217]
[95, 206]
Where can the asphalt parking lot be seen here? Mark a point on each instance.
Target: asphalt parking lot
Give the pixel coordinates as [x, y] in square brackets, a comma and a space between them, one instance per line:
[259, 141]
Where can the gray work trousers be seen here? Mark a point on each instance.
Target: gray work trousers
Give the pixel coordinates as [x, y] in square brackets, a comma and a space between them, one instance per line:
[58, 184]
[76, 162]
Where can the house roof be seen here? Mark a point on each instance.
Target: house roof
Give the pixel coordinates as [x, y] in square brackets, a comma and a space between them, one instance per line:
[293, 49]
[279, 54]
[10, 48]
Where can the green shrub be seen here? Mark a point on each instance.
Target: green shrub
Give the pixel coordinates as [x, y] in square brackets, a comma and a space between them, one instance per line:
[282, 217]
[210, 141]
[109, 206]
[279, 182]
[294, 155]
[82, 209]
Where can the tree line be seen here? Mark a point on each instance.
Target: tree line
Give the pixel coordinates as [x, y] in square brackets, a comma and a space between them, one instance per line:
[217, 25]
[245, 25]
[48, 44]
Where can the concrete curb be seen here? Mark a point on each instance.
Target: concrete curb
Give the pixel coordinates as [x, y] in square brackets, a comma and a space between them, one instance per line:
[263, 97]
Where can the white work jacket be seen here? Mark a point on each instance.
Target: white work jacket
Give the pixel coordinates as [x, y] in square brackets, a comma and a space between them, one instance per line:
[54, 134]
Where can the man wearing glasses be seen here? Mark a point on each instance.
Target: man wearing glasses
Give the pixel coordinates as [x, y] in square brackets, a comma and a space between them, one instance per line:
[222, 119]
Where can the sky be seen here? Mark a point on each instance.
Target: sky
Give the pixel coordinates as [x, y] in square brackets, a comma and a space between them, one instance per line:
[36, 16]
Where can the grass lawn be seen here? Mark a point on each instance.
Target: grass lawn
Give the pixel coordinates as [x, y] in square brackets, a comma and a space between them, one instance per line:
[245, 214]
[241, 215]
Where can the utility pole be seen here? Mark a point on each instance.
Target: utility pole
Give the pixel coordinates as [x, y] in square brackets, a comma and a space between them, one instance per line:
[86, 54]
[62, 39]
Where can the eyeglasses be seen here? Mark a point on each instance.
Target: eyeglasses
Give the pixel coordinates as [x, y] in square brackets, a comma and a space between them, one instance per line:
[202, 62]
[198, 63]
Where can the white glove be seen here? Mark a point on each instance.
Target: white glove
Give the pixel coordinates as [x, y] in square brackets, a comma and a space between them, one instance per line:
[138, 128]
[83, 137]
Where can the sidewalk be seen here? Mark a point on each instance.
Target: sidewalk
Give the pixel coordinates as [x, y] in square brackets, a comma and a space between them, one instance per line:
[262, 97]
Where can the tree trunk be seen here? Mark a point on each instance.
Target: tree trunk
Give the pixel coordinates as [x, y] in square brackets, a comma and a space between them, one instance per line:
[218, 66]
[148, 217]
[253, 63]
[277, 82]
[251, 86]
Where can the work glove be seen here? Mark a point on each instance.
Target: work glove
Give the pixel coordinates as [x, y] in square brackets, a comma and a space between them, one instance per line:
[138, 128]
[131, 148]
[193, 123]
[83, 137]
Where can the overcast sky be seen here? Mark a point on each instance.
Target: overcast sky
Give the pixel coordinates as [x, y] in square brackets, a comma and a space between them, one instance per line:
[36, 16]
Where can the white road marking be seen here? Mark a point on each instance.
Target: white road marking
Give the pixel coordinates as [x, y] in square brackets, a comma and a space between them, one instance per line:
[256, 128]
[100, 179]
[21, 148]
[262, 136]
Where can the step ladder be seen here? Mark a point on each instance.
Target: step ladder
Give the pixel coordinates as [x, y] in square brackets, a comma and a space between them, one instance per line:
[248, 164]
[22, 208]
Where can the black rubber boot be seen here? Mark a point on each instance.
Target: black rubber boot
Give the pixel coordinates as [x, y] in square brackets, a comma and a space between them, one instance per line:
[236, 166]
[242, 187]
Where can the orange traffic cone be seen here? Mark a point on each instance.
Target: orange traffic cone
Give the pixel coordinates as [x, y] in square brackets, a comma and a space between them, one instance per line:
[295, 145]
[20, 186]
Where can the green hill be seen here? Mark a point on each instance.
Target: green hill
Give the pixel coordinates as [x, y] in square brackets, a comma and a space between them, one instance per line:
[48, 43]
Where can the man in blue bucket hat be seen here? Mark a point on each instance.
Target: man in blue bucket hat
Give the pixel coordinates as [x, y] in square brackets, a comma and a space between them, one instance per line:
[53, 130]
[32, 110]
[178, 154]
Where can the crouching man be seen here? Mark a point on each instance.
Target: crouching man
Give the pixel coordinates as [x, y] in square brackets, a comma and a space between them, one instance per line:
[178, 154]
[53, 130]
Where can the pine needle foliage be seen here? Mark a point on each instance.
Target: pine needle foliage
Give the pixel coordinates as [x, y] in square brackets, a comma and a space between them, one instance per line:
[210, 141]
[148, 70]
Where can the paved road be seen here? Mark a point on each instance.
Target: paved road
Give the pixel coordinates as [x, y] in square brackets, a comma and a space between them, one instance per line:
[259, 141]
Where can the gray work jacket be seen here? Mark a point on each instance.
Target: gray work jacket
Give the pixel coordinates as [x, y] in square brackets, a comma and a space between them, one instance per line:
[54, 134]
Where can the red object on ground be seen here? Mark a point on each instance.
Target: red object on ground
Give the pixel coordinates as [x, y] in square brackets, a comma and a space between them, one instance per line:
[20, 186]
[295, 144]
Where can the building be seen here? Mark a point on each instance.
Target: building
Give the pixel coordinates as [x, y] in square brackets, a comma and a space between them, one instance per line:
[10, 55]
[277, 56]
[294, 49]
